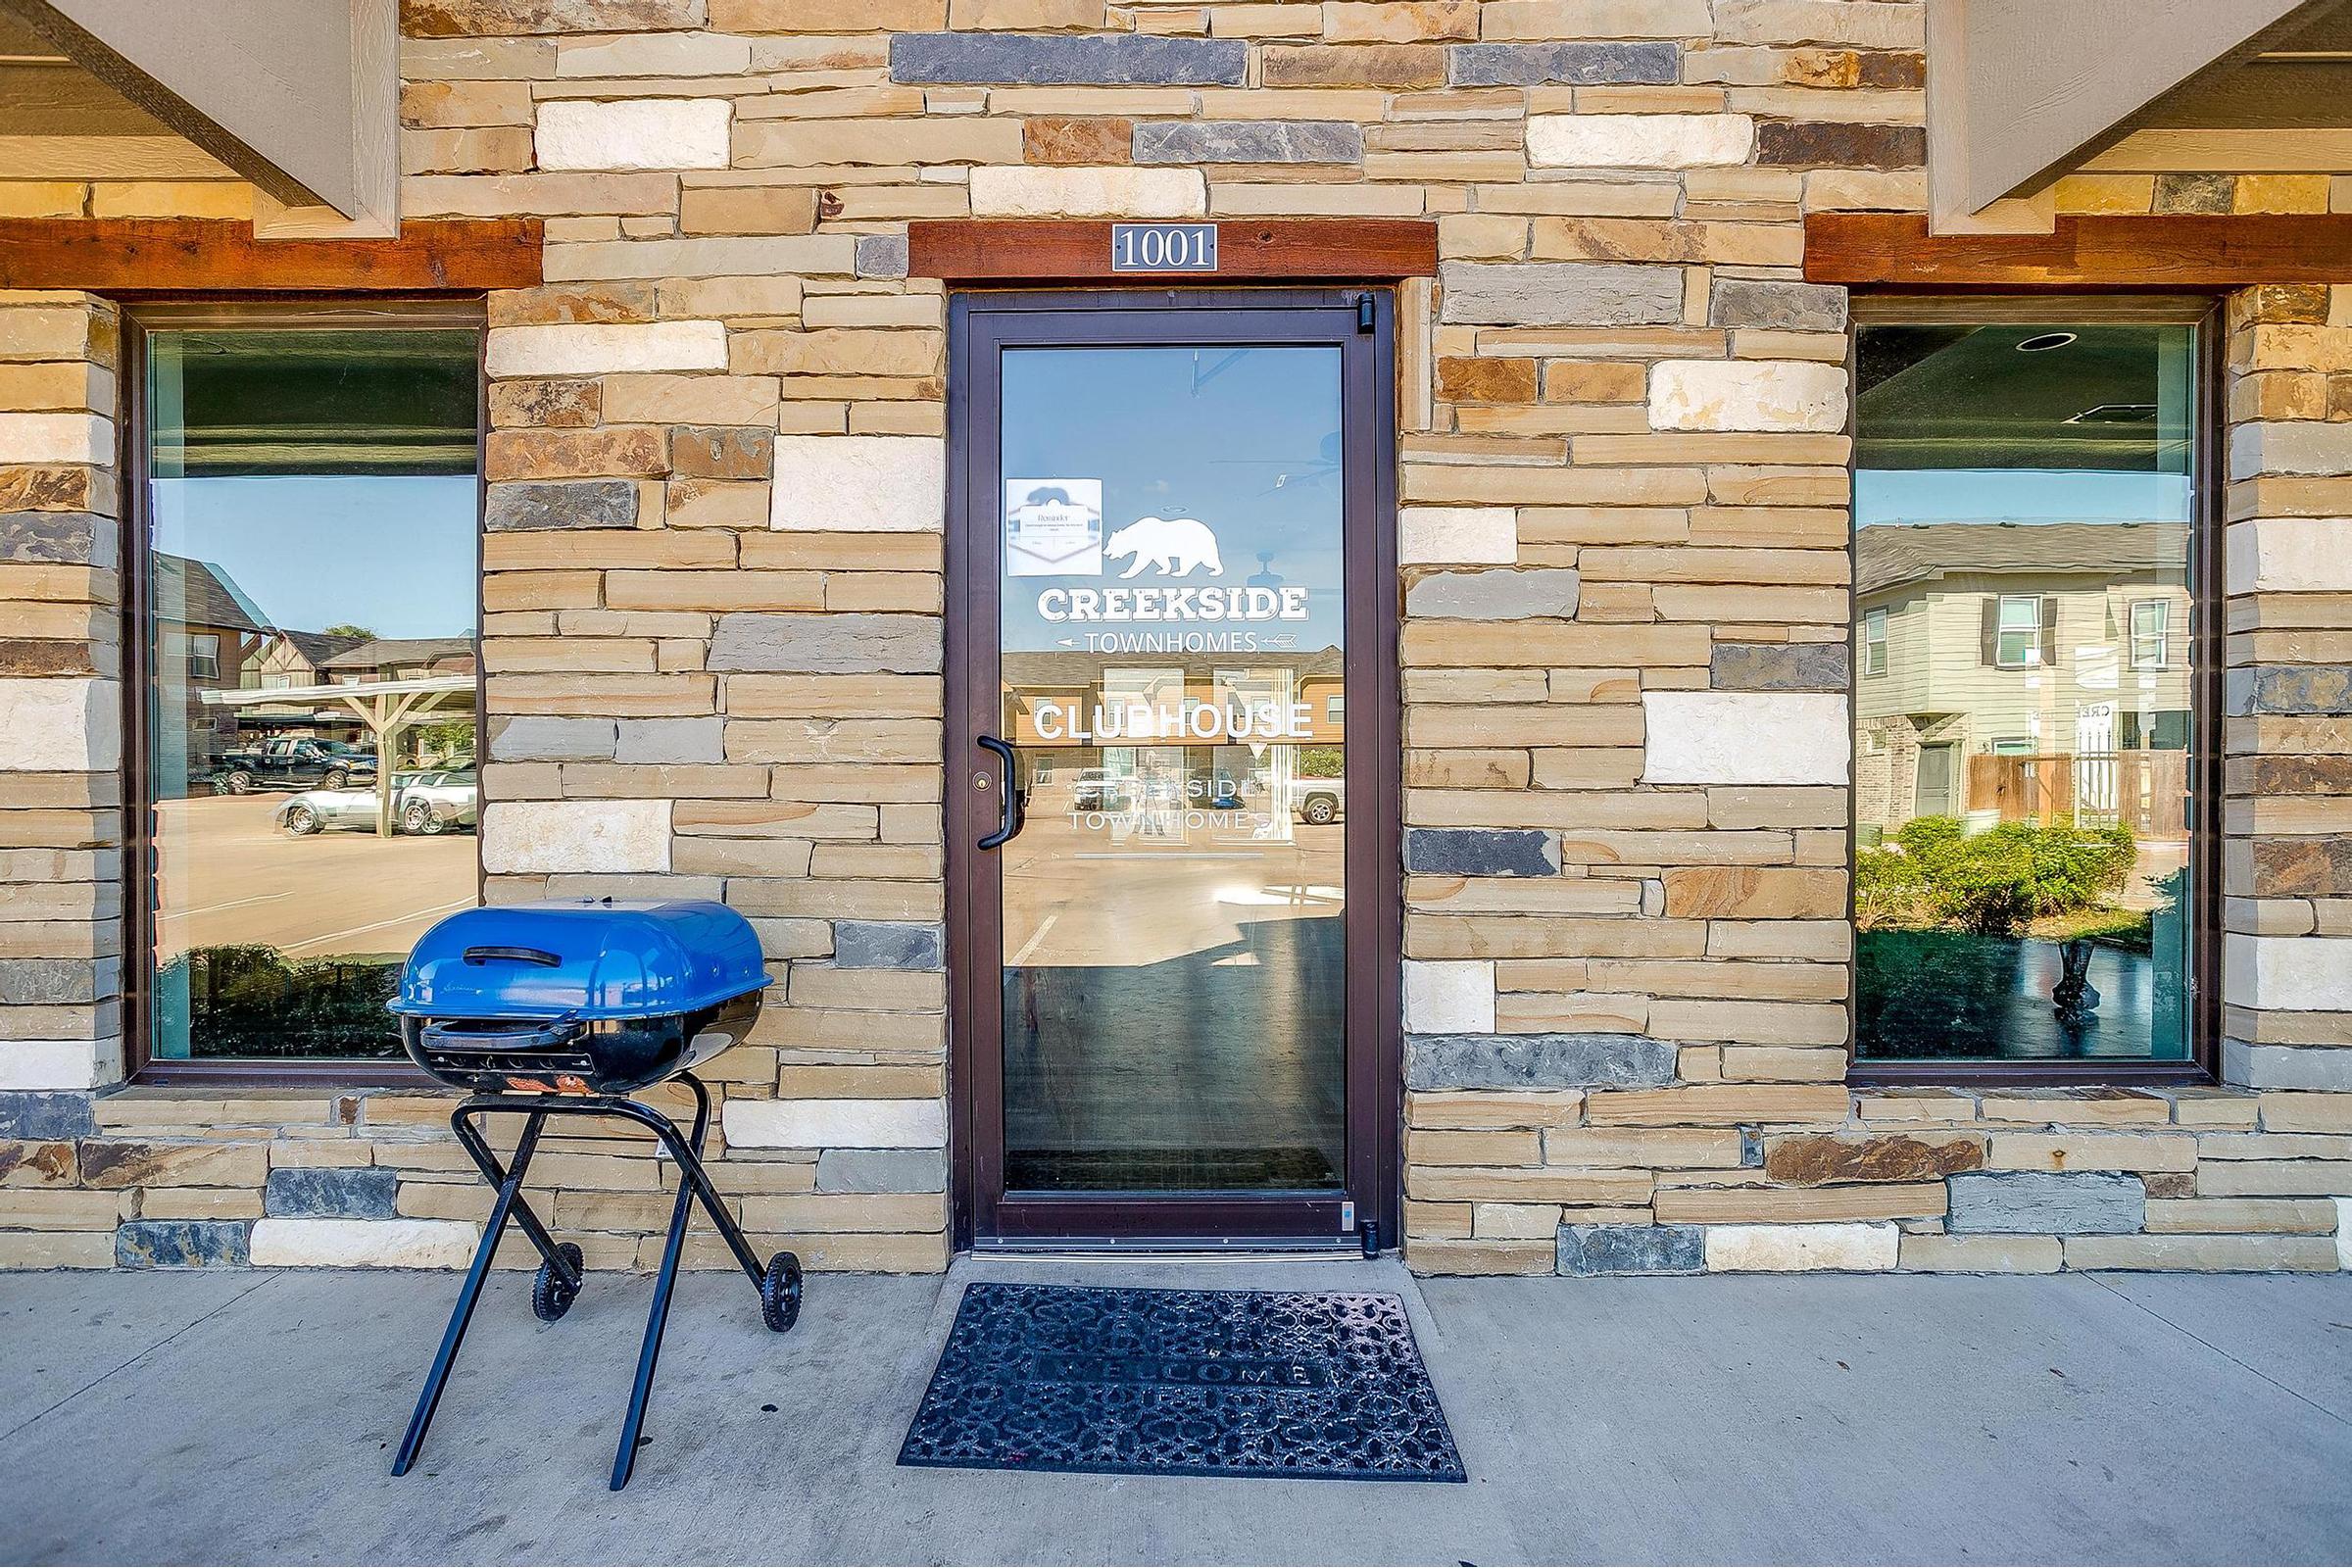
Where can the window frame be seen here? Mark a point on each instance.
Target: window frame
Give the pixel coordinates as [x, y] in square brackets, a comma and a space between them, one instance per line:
[2204, 652]
[2163, 634]
[1874, 655]
[140, 319]
[2002, 630]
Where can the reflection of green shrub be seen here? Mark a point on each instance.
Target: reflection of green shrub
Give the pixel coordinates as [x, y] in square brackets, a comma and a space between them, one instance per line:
[1322, 762]
[251, 1001]
[1993, 883]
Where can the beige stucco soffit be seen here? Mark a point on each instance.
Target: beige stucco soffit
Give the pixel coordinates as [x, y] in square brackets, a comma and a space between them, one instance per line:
[301, 97]
[2021, 91]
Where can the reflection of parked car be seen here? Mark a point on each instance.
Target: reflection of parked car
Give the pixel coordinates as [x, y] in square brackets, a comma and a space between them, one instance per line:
[293, 763]
[1317, 800]
[1097, 788]
[437, 802]
[422, 803]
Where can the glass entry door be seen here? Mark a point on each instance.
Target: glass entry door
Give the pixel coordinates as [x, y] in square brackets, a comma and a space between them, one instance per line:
[1176, 950]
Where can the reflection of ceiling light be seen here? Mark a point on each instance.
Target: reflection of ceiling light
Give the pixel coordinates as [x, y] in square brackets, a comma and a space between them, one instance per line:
[2044, 342]
[2116, 414]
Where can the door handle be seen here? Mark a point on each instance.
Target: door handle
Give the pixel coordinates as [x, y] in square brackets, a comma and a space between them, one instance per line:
[1009, 820]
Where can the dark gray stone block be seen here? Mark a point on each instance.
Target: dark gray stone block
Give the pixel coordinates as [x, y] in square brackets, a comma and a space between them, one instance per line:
[889, 945]
[46, 1115]
[1560, 294]
[1537, 1062]
[2028, 1203]
[881, 256]
[828, 644]
[1581, 65]
[1100, 60]
[1248, 141]
[882, 1170]
[51, 982]
[363, 1193]
[1589, 1249]
[70, 538]
[1769, 303]
[1482, 852]
[561, 504]
[1779, 667]
[181, 1244]
[2291, 689]
[549, 738]
[1496, 594]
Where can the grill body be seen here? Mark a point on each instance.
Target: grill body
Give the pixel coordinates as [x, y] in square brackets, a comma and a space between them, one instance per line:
[586, 995]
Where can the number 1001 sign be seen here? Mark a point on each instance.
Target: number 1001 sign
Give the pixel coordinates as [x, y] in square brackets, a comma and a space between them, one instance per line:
[1163, 247]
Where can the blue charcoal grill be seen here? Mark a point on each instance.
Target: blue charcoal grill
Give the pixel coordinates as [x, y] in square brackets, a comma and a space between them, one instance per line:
[566, 1008]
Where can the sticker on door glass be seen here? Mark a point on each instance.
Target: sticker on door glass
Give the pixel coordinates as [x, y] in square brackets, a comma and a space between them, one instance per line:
[1053, 527]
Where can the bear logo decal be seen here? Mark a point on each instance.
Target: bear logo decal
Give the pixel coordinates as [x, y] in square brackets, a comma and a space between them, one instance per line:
[1173, 545]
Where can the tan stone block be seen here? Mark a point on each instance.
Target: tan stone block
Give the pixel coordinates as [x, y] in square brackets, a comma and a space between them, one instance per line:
[199, 1203]
[2314, 1216]
[1931, 1253]
[2249, 1178]
[2086, 1107]
[1672, 1149]
[748, 210]
[1515, 1221]
[2292, 1112]
[1718, 1106]
[58, 1208]
[1796, 1206]
[111, 1164]
[48, 198]
[1025, 14]
[1369, 65]
[922, 142]
[1486, 1108]
[1500, 1147]
[1400, 20]
[1514, 1184]
[828, 16]
[837, 352]
[57, 1250]
[1436, 1220]
[1439, 1254]
[2234, 1253]
[2076, 1151]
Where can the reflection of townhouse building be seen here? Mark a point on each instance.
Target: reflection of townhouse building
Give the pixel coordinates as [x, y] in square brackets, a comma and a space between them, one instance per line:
[296, 658]
[207, 630]
[401, 658]
[1999, 667]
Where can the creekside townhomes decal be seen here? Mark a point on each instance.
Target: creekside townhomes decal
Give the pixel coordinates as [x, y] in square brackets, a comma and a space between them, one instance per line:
[1135, 719]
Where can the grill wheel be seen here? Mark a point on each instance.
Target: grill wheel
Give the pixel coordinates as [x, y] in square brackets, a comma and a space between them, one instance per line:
[780, 1293]
[551, 1298]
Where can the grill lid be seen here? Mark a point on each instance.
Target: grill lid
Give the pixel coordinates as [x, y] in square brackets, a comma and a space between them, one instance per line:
[591, 959]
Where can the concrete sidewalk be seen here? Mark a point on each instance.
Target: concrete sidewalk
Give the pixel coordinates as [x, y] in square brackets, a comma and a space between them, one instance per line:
[249, 1417]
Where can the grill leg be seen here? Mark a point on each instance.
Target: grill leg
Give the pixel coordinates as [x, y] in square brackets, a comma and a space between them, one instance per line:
[656, 1319]
[689, 1161]
[461, 1120]
[509, 1194]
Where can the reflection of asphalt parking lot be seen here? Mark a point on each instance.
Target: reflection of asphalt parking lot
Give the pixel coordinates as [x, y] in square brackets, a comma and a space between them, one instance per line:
[1141, 888]
[231, 876]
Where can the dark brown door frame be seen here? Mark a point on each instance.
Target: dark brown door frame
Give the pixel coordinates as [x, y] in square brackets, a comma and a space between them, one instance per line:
[980, 325]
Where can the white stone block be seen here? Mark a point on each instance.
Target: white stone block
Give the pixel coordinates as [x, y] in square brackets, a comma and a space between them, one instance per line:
[307, 1243]
[1458, 536]
[1018, 193]
[34, 1065]
[634, 133]
[560, 836]
[1448, 997]
[1744, 738]
[861, 483]
[836, 1123]
[83, 438]
[1638, 141]
[2297, 974]
[2343, 1233]
[2288, 556]
[602, 348]
[1795, 1249]
[59, 726]
[1747, 395]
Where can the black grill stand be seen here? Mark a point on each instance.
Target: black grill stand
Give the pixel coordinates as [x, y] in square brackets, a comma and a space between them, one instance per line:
[561, 1276]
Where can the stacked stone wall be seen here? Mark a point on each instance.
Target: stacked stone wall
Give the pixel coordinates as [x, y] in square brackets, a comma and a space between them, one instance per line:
[712, 634]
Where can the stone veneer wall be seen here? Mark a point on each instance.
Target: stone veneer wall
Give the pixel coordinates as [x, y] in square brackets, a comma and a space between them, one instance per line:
[714, 646]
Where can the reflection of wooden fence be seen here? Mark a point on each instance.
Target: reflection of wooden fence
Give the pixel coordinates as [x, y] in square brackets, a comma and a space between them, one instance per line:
[2145, 791]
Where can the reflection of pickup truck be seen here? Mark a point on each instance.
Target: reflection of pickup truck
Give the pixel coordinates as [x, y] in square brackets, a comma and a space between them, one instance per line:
[295, 762]
[1317, 800]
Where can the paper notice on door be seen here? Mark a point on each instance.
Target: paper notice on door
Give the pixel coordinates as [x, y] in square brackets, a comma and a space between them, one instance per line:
[1053, 527]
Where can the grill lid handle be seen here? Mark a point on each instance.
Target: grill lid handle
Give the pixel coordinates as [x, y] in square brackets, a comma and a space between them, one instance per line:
[538, 956]
[473, 1036]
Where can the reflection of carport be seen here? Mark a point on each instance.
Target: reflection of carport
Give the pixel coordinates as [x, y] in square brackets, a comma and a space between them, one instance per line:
[386, 708]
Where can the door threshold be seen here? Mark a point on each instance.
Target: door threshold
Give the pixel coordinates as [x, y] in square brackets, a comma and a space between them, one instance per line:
[1240, 1249]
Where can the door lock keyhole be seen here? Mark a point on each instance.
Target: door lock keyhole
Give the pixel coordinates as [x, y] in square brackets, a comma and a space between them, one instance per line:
[981, 781]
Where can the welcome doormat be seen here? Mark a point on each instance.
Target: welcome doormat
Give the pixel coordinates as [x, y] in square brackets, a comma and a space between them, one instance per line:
[1319, 1385]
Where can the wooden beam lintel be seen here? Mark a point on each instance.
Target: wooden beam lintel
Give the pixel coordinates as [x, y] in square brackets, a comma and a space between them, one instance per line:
[2165, 252]
[1078, 250]
[190, 254]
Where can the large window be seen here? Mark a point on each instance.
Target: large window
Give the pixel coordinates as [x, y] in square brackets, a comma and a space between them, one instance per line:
[2025, 515]
[304, 580]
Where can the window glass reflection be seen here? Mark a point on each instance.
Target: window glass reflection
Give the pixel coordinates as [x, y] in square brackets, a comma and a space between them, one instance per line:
[311, 585]
[1173, 677]
[2023, 695]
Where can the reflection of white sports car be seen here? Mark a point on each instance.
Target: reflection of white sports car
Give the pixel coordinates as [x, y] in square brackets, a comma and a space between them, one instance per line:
[422, 803]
